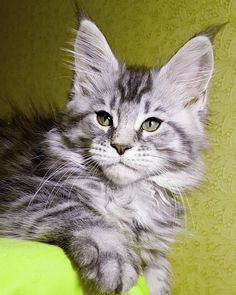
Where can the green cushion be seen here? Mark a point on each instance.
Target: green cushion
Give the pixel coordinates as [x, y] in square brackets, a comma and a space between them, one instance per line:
[32, 268]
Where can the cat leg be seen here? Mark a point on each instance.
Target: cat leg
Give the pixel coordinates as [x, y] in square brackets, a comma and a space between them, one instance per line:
[97, 250]
[158, 277]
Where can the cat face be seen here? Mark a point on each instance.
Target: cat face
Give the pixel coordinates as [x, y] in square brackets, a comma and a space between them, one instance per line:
[140, 123]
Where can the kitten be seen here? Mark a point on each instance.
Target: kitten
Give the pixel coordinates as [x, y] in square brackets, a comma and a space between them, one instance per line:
[100, 179]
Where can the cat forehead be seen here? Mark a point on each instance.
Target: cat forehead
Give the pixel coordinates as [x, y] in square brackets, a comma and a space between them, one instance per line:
[133, 83]
[132, 91]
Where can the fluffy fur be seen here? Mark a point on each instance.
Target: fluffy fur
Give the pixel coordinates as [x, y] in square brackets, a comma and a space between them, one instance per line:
[63, 182]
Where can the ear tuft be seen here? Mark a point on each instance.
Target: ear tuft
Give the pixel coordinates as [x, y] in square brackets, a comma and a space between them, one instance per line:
[213, 30]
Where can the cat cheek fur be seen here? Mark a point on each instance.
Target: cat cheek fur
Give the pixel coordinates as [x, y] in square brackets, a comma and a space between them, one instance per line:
[62, 182]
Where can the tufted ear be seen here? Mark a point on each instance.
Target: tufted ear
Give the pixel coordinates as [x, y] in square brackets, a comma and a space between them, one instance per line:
[190, 69]
[94, 61]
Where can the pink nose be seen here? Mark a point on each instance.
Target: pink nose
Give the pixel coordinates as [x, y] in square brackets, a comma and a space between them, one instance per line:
[120, 148]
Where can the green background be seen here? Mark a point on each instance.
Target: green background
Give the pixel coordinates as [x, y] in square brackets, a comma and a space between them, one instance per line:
[32, 34]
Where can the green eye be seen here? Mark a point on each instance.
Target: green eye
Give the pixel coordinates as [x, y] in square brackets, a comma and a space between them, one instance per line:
[151, 124]
[104, 118]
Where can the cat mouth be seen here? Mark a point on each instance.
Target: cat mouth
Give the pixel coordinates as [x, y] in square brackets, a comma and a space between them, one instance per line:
[120, 163]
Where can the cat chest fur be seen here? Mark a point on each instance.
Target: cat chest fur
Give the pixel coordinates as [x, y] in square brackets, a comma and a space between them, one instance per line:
[141, 212]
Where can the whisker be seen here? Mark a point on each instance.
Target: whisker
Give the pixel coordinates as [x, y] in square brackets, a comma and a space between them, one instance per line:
[43, 182]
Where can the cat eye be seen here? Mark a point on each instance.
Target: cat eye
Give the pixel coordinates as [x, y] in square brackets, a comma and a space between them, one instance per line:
[104, 118]
[151, 124]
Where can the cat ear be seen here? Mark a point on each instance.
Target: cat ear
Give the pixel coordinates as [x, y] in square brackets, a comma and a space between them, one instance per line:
[190, 69]
[94, 61]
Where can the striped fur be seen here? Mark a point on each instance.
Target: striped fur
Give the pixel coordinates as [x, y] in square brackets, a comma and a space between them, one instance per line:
[62, 182]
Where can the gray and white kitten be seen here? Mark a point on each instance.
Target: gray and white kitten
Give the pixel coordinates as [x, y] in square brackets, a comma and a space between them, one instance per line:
[100, 179]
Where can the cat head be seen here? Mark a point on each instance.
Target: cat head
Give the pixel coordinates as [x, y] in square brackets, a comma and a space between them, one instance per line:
[140, 123]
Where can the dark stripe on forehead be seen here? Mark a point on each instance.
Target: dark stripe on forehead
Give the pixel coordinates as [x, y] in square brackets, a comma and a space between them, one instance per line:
[147, 86]
[133, 83]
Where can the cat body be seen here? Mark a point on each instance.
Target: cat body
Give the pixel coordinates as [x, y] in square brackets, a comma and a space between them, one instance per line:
[101, 178]
[38, 207]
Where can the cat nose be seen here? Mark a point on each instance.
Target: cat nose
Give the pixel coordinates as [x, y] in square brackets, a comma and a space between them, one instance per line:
[120, 148]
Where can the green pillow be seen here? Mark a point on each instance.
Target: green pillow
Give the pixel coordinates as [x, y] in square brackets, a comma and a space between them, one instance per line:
[32, 268]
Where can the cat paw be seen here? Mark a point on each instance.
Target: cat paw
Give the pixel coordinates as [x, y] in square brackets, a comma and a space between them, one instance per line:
[112, 270]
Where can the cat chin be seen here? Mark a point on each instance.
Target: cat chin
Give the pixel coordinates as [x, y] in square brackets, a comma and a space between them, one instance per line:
[121, 175]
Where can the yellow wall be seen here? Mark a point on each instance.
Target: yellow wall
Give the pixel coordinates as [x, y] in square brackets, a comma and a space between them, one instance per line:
[32, 34]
